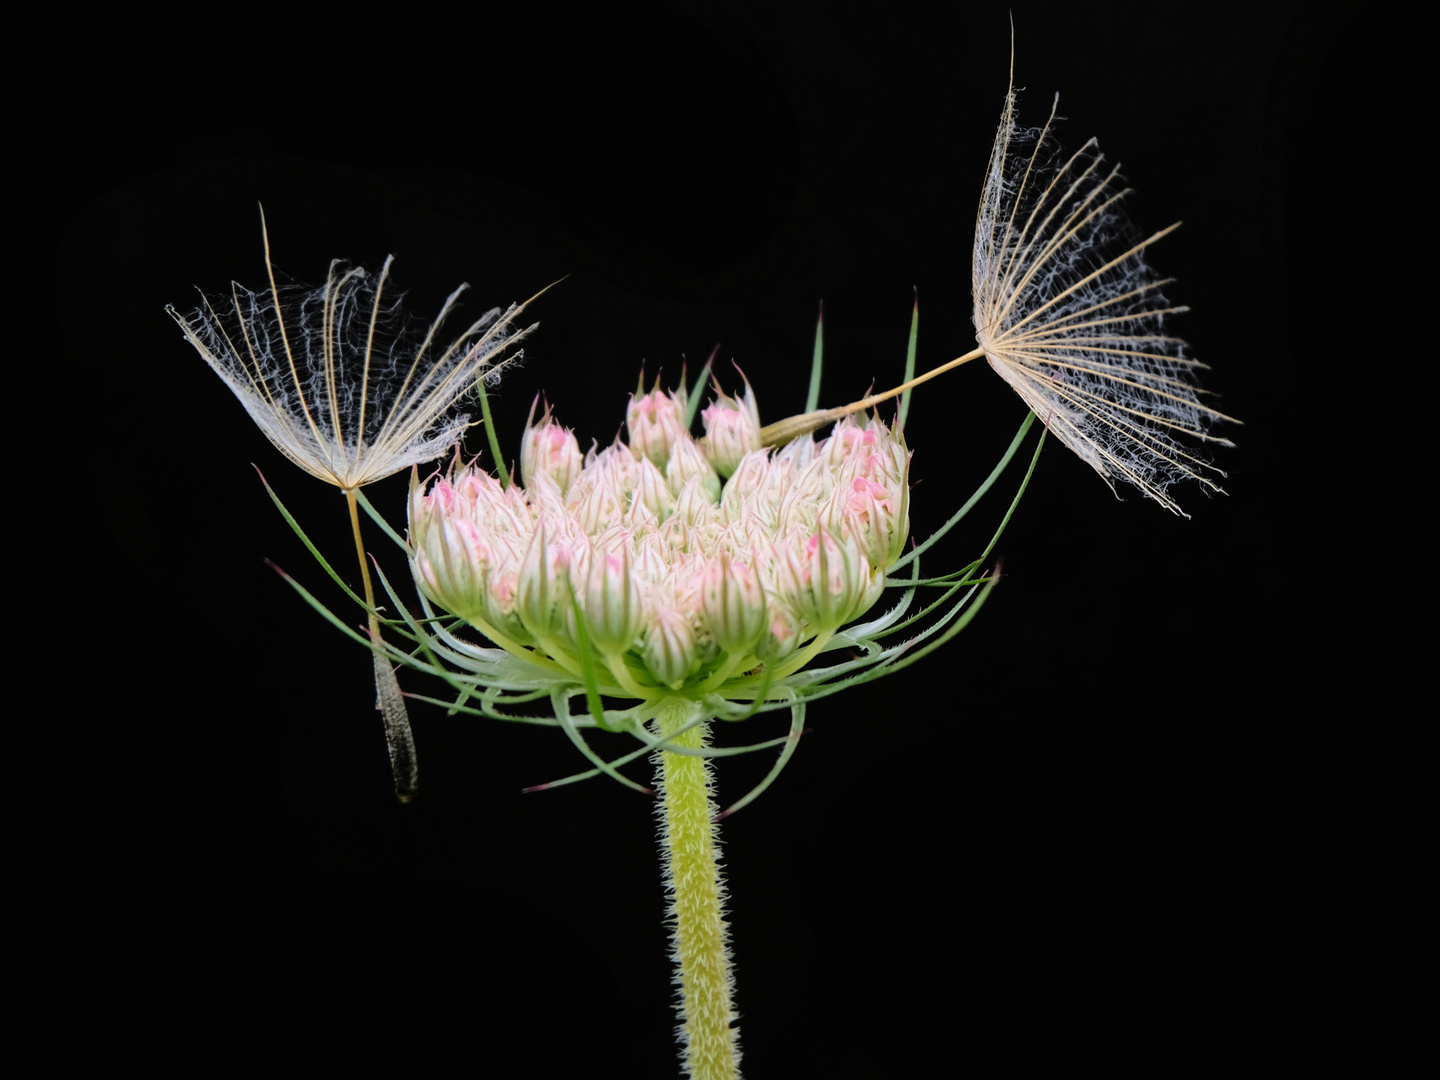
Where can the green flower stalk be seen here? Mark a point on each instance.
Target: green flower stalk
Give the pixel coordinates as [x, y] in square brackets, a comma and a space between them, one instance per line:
[700, 937]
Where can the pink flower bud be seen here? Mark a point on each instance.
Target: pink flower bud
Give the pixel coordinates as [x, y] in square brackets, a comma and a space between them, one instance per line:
[732, 430]
[847, 440]
[652, 492]
[452, 561]
[545, 594]
[687, 462]
[501, 596]
[655, 423]
[451, 556]
[614, 610]
[550, 449]
[869, 511]
[781, 636]
[822, 578]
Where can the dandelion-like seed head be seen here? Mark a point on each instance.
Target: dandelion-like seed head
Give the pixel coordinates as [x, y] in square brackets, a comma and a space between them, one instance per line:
[1080, 334]
[336, 377]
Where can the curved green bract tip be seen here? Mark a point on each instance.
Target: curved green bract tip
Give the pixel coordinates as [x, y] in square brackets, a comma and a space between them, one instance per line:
[910, 362]
[955, 519]
[812, 396]
[490, 434]
[792, 740]
[696, 390]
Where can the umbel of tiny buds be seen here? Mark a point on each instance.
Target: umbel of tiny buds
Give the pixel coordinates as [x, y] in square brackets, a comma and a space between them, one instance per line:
[681, 584]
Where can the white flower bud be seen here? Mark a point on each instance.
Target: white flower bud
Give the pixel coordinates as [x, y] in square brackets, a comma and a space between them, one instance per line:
[603, 506]
[743, 491]
[693, 506]
[803, 497]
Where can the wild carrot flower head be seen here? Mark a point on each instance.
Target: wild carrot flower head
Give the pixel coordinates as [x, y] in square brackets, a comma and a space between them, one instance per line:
[334, 376]
[636, 579]
[1080, 334]
[679, 584]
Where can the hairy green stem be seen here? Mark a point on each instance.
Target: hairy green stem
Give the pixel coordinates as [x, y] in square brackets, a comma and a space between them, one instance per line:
[692, 877]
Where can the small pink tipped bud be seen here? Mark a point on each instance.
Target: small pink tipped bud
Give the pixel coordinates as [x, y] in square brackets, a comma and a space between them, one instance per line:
[734, 605]
[452, 557]
[869, 511]
[732, 430]
[873, 496]
[652, 492]
[655, 423]
[544, 591]
[822, 578]
[782, 631]
[549, 449]
[847, 440]
[501, 596]
[452, 560]
[670, 646]
[687, 462]
[614, 610]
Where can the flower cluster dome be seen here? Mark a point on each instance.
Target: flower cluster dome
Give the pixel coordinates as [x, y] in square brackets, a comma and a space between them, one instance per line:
[679, 562]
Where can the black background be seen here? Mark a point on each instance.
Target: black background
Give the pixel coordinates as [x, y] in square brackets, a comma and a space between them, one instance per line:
[1066, 837]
